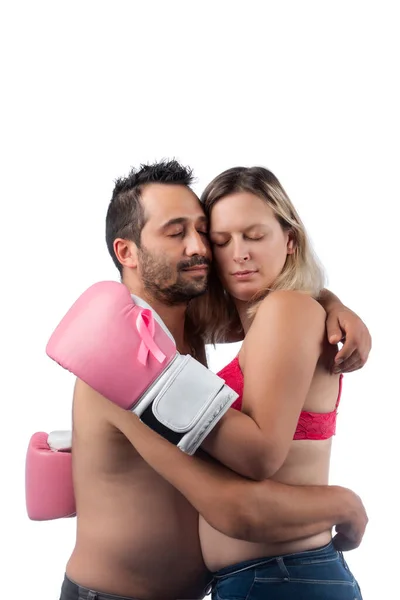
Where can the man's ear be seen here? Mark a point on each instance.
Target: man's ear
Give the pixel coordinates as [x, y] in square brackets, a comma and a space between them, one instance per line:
[126, 252]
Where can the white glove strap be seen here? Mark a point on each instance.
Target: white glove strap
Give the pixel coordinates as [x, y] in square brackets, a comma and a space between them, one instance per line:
[187, 399]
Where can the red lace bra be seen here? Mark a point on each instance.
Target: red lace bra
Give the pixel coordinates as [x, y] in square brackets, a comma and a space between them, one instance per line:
[311, 426]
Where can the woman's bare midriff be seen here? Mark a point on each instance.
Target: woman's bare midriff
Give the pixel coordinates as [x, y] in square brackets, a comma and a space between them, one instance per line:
[306, 464]
[136, 535]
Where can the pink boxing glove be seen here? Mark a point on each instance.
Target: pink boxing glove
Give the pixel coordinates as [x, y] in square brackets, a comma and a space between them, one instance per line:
[105, 339]
[49, 491]
[123, 350]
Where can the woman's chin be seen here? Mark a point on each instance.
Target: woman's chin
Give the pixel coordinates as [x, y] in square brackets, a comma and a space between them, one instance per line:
[244, 293]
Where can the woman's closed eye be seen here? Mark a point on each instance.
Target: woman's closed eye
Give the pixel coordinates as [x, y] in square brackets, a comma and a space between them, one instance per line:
[253, 238]
[249, 238]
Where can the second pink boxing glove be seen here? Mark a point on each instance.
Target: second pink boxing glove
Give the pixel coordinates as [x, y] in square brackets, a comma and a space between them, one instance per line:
[49, 492]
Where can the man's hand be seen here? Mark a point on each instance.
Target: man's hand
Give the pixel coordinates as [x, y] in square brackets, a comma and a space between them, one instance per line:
[350, 532]
[343, 325]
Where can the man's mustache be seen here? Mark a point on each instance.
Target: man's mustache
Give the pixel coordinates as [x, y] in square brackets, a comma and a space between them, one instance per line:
[193, 262]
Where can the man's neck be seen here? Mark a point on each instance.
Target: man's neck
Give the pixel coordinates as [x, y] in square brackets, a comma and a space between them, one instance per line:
[173, 316]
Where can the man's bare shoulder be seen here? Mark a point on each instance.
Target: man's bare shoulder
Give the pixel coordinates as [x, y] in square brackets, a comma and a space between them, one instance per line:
[90, 409]
[98, 444]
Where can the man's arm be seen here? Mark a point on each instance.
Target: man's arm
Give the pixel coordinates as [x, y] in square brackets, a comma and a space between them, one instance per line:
[241, 508]
[343, 325]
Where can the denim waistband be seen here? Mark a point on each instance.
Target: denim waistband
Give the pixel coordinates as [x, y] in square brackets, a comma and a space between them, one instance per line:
[322, 552]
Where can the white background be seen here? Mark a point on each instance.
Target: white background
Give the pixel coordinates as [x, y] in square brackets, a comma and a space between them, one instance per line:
[89, 89]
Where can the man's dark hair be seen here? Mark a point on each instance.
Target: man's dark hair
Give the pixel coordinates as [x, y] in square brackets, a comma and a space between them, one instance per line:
[125, 215]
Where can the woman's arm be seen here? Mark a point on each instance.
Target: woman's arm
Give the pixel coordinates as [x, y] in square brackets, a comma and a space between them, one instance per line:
[282, 348]
[265, 511]
[342, 325]
[332, 305]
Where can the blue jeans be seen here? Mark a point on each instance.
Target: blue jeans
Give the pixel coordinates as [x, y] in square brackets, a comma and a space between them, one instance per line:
[321, 573]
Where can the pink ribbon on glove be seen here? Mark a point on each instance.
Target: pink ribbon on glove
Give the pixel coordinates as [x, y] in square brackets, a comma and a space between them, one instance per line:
[146, 328]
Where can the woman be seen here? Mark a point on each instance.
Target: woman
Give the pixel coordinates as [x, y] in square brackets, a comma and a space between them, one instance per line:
[267, 283]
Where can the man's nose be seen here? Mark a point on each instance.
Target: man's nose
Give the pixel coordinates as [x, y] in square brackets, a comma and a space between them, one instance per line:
[197, 243]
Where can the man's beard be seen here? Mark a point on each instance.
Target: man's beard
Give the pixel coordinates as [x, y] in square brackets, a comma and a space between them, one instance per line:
[157, 275]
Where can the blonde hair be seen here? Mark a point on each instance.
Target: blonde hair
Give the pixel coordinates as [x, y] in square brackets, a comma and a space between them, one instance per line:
[215, 314]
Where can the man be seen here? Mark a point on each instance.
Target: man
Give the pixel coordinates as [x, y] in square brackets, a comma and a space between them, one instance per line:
[137, 536]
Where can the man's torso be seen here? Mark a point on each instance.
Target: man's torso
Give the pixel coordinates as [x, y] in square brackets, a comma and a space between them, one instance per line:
[136, 535]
